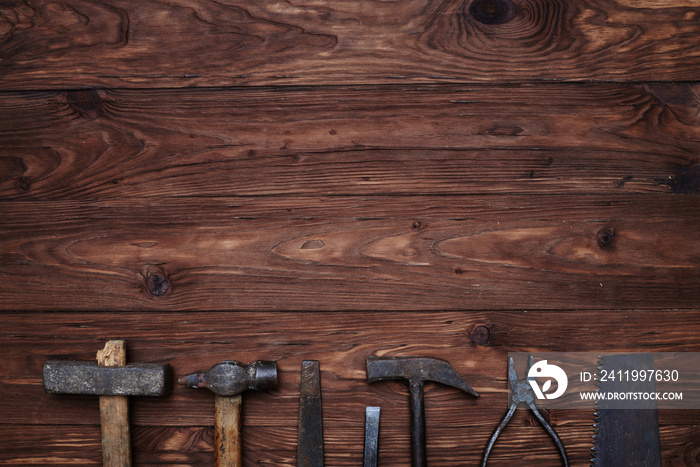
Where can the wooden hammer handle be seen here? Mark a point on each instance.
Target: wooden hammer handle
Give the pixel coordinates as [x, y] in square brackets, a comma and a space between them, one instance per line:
[114, 413]
[227, 431]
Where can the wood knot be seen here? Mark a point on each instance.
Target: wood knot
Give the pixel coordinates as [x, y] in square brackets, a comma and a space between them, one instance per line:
[606, 237]
[24, 183]
[157, 283]
[313, 245]
[492, 12]
[686, 180]
[481, 335]
[87, 102]
[505, 130]
[12, 167]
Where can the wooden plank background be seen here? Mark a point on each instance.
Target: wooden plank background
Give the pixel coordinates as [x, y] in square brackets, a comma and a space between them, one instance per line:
[180, 43]
[334, 180]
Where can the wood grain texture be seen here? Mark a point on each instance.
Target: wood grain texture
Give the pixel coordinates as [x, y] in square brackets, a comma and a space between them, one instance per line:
[50, 445]
[70, 445]
[188, 446]
[178, 429]
[317, 180]
[335, 254]
[546, 139]
[176, 43]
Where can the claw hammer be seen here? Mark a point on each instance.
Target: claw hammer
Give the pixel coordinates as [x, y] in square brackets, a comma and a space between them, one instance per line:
[415, 371]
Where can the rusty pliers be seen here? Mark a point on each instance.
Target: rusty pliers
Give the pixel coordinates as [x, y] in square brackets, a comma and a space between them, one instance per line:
[522, 393]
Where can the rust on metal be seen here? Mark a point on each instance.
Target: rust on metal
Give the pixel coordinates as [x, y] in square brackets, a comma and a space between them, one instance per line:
[310, 437]
[415, 371]
[70, 377]
[230, 378]
[522, 394]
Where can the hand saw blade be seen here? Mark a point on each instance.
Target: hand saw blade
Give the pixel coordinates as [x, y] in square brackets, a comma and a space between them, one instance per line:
[625, 436]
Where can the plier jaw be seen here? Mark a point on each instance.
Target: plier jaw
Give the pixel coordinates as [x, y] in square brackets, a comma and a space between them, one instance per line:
[522, 394]
[520, 389]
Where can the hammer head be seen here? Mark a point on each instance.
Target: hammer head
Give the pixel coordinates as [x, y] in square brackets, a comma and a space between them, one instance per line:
[231, 378]
[69, 377]
[415, 370]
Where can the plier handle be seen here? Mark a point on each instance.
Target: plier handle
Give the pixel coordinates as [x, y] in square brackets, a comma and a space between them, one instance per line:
[522, 393]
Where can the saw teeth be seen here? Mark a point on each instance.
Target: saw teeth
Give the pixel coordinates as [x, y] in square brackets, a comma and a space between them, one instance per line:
[596, 414]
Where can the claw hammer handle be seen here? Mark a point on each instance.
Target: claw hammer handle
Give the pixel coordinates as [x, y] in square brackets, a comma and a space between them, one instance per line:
[114, 413]
[418, 451]
[227, 431]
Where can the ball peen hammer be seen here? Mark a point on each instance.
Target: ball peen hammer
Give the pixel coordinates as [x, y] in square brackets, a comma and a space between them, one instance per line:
[227, 380]
[113, 380]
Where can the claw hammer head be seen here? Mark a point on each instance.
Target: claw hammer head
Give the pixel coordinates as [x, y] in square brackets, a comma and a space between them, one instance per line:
[416, 370]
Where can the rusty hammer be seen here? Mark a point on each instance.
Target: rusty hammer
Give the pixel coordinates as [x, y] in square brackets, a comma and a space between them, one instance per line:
[113, 380]
[227, 380]
[416, 371]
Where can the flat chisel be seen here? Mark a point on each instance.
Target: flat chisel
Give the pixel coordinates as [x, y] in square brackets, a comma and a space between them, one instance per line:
[371, 436]
[310, 442]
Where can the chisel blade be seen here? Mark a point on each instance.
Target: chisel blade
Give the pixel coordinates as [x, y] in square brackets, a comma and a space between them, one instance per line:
[310, 442]
[626, 437]
[371, 436]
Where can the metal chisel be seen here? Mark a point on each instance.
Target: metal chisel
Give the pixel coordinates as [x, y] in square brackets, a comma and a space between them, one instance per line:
[310, 441]
[371, 436]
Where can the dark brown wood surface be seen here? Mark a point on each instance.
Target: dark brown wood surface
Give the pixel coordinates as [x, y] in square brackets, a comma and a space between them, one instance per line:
[332, 180]
[547, 139]
[353, 253]
[129, 43]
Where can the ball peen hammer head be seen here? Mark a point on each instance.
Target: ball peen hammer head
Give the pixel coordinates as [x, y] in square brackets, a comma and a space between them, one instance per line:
[230, 378]
[415, 371]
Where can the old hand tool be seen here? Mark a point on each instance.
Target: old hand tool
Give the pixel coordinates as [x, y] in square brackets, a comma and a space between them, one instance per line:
[310, 442]
[416, 371]
[113, 381]
[627, 432]
[227, 380]
[522, 393]
[371, 436]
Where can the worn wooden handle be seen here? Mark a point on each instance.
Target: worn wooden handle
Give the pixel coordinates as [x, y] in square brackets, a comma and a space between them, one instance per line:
[114, 413]
[227, 431]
